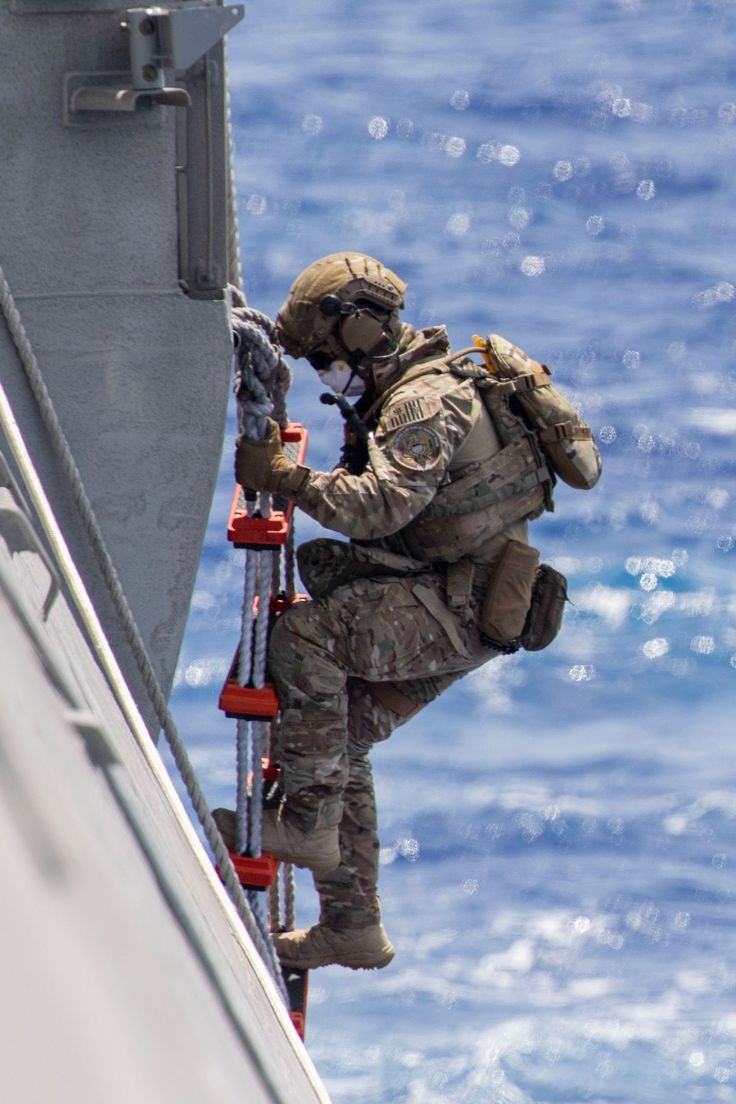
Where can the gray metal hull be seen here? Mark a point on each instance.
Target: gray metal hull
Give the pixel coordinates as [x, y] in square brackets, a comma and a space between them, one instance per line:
[96, 215]
[126, 974]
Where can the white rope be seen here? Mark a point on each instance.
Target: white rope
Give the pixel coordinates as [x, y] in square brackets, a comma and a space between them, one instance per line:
[124, 614]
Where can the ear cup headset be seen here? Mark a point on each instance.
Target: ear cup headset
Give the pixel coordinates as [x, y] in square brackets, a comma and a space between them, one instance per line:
[359, 329]
[344, 307]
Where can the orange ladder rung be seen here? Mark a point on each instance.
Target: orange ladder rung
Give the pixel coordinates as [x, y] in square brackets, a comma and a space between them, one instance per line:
[253, 873]
[250, 703]
[251, 531]
[254, 703]
[260, 872]
[297, 1018]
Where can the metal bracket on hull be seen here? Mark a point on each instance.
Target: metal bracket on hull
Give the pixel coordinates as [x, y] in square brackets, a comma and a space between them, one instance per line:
[114, 98]
[158, 38]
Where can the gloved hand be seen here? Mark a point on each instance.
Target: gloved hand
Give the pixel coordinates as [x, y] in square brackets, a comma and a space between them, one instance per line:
[263, 466]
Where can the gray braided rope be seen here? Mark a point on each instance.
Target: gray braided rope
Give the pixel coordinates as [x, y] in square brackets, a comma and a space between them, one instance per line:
[242, 764]
[290, 566]
[274, 905]
[256, 899]
[130, 629]
[250, 314]
[262, 375]
[255, 820]
[289, 898]
[260, 643]
[245, 654]
[257, 361]
[235, 270]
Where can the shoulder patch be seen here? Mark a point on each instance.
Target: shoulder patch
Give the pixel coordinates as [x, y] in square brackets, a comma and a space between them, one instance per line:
[416, 446]
[419, 408]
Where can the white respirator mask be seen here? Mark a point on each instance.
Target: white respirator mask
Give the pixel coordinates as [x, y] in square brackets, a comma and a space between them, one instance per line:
[342, 379]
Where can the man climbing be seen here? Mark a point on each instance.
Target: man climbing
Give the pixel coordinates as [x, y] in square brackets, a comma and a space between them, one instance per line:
[435, 487]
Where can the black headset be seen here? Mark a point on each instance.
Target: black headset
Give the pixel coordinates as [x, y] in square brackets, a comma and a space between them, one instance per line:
[331, 305]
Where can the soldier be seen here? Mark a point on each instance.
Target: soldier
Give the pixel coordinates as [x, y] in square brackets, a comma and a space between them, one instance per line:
[435, 493]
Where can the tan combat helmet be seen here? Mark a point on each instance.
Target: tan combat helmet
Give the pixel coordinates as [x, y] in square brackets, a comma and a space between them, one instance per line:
[344, 306]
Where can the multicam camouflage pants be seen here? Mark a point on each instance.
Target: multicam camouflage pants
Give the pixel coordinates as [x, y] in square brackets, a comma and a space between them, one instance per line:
[349, 669]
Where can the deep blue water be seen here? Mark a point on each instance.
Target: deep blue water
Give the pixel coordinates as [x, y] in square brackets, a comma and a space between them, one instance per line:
[559, 830]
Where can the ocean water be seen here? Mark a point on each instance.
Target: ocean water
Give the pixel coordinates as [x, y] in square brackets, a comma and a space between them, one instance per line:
[559, 830]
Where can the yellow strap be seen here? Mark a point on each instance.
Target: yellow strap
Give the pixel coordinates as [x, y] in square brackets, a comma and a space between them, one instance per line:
[481, 344]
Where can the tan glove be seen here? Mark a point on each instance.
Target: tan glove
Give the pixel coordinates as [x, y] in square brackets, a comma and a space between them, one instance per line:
[263, 466]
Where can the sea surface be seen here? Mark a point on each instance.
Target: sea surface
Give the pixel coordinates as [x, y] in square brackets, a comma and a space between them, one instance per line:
[559, 830]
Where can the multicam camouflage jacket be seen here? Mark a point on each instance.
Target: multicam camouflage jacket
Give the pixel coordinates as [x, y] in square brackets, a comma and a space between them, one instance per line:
[444, 479]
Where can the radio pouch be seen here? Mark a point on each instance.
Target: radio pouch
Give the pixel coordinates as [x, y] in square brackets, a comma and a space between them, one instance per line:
[507, 600]
[544, 619]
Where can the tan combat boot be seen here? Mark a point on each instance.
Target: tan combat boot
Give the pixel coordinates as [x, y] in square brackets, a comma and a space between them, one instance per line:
[357, 948]
[318, 851]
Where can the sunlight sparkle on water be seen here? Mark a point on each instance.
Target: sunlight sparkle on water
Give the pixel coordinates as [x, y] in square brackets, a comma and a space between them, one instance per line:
[460, 99]
[532, 266]
[458, 224]
[563, 170]
[312, 124]
[519, 218]
[653, 565]
[509, 155]
[378, 127]
[655, 648]
[408, 849]
[581, 672]
[454, 146]
[724, 292]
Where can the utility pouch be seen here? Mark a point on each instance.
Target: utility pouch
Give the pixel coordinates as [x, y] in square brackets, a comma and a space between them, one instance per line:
[326, 564]
[507, 600]
[565, 438]
[544, 619]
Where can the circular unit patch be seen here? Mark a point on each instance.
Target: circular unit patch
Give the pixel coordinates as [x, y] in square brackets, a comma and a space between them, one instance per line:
[417, 446]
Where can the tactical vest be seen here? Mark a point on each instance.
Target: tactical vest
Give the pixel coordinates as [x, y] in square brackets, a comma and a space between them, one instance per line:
[537, 429]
